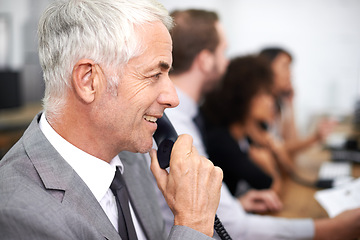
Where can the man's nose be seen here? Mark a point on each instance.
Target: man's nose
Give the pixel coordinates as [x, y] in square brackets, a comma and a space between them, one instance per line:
[168, 96]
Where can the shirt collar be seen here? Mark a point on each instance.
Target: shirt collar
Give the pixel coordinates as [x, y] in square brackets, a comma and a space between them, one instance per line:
[187, 104]
[96, 173]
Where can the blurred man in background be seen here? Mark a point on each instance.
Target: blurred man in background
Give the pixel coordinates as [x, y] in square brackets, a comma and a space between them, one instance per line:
[199, 62]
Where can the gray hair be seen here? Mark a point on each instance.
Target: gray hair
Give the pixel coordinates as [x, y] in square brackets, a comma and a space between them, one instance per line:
[100, 30]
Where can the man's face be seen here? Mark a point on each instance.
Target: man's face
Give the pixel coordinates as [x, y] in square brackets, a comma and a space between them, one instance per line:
[144, 91]
[220, 60]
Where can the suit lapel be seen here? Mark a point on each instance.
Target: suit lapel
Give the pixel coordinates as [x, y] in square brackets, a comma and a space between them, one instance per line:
[140, 184]
[63, 183]
[81, 198]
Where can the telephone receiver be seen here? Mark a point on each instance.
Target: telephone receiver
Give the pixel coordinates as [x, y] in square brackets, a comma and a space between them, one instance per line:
[286, 93]
[165, 137]
[263, 125]
[281, 98]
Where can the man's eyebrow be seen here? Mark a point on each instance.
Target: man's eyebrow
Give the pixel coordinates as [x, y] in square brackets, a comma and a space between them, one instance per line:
[164, 65]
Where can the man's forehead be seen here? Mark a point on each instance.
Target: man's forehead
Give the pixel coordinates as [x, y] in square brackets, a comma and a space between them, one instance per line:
[156, 44]
[150, 30]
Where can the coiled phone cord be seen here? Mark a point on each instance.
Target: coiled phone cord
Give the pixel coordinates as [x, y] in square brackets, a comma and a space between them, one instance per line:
[220, 230]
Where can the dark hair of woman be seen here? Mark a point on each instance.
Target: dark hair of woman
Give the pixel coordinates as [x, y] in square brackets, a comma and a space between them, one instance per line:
[230, 103]
[271, 53]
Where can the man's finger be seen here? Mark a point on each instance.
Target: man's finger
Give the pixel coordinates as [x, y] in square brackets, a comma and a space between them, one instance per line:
[159, 173]
[272, 200]
[182, 147]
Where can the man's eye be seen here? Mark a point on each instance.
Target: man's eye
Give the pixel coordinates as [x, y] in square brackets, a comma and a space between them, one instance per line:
[156, 76]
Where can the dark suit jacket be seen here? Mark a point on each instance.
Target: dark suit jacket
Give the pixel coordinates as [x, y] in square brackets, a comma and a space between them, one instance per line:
[225, 152]
[42, 197]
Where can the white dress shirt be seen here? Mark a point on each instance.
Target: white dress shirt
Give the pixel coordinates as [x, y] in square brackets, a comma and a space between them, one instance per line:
[96, 173]
[238, 223]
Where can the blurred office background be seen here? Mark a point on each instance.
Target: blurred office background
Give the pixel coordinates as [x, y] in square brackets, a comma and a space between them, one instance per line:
[322, 35]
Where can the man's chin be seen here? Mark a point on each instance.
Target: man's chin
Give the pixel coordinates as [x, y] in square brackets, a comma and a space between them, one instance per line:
[142, 151]
[145, 148]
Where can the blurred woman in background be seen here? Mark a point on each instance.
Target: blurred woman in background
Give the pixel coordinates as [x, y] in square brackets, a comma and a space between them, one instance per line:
[284, 126]
[243, 104]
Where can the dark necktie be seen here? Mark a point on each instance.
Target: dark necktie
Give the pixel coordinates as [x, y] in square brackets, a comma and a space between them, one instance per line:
[200, 124]
[125, 223]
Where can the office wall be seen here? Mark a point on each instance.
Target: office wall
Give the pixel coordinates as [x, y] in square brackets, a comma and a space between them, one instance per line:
[24, 15]
[323, 36]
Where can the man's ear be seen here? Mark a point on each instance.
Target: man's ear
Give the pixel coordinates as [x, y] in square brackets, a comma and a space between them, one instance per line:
[86, 80]
[206, 60]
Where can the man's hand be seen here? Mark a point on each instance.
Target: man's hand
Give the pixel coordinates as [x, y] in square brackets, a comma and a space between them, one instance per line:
[192, 186]
[345, 226]
[261, 201]
[324, 128]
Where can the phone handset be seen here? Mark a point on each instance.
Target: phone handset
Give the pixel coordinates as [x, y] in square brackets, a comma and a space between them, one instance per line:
[263, 125]
[165, 137]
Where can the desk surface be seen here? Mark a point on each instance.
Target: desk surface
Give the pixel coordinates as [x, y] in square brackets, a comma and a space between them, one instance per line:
[298, 199]
[13, 122]
[19, 118]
